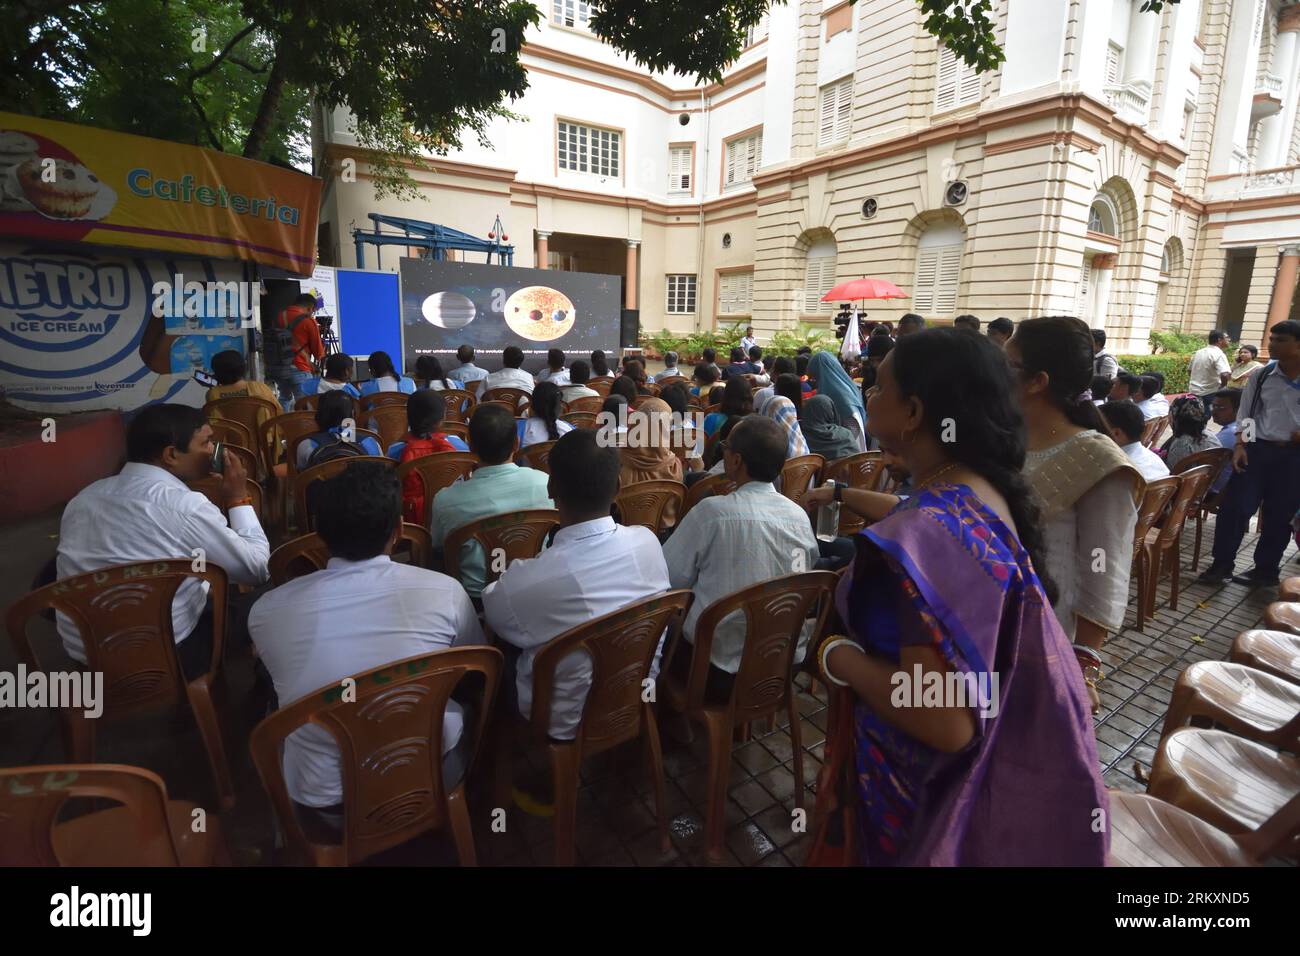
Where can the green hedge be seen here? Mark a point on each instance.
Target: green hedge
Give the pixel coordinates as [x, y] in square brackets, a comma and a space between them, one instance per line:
[1173, 367]
[689, 347]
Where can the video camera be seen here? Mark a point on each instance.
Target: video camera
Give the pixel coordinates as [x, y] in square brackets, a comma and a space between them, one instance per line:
[841, 320]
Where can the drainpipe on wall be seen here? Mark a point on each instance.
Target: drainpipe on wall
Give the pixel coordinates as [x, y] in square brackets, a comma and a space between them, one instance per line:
[699, 269]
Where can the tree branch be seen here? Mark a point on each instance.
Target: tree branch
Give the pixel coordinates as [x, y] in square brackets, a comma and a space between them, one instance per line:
[216, 60]
[203, 118]
[248, 66]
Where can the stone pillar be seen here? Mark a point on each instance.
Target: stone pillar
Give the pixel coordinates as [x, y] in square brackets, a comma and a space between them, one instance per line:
[543, 250]
[1288, 267]
[629, 287]
[1140, 57]
[1275, 134]
[1103, 267]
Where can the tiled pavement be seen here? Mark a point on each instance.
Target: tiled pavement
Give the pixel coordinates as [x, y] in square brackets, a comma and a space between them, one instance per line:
[616, 821]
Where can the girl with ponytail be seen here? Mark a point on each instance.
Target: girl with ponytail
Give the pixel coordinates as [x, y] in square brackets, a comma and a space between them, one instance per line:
[544, 412]
[1086, 486]
[949, 590]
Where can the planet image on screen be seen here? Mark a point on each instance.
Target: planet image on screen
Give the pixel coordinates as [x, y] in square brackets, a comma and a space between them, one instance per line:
[539, 314]
[448, 310]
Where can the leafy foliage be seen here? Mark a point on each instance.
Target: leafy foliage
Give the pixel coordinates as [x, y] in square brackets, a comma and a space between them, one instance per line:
[1179, 343]
[967, 29]
[1175, 369]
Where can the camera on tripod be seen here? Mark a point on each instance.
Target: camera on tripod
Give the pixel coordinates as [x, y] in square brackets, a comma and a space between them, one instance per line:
[842, 320]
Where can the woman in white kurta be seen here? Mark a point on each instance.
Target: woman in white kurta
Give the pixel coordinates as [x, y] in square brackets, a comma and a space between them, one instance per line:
[1088, 489]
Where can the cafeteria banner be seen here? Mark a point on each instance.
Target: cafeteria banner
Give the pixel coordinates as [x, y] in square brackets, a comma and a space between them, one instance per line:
[61, 182]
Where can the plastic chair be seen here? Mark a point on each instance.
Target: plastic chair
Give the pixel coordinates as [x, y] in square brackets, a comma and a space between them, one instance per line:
[1164, 543]
[1153, 429]
[513, 535]
[147, 829]
[516, 398]
[231, 432]
[322, 472]
[474, 387]
[248, 410]
[663, 383]
[775, 611]
[799, 474]
[1145, 831]
[649, 503]
[587, 403]
[1216, 458]
[310, 403]
[390, 755]
[309, 553]
[1228, 781]
[390, 421]
[1274, 652]
[1283, 616]
[1289, 589]
[601, 385]
[370, 403]
[863, 471]
[536, 456]
[460, 403]
[580, 419]
[1251, 703]
[211, 488]
[1155, 497]
[123, 615]
[705, 488]
[622, 647]
[437, 471]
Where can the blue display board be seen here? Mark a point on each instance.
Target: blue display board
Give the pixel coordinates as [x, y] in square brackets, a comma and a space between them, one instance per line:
[370, 313]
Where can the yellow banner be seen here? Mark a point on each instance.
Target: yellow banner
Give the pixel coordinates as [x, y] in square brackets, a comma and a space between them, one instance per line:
[67, 183]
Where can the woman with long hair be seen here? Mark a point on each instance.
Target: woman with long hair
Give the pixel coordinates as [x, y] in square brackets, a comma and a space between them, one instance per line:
[429, 374]
[543, 422]
[835, 384]
[384, 377]
[1000, 765]
[1087, 487]
[1187, 419]
[1247, 362]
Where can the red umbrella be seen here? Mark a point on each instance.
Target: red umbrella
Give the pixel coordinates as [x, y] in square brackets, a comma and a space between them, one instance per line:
[864, 289]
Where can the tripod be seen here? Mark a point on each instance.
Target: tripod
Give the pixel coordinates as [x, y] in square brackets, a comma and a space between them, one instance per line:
[328, 337]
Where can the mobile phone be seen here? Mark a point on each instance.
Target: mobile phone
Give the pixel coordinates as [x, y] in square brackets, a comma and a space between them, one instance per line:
[204, 377]
[219, 457]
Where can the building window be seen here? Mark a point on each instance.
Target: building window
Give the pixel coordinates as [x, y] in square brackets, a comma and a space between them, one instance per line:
[819, 277]
[681, 295]
[1084, 304]
[571, 13]
[1189, 115]
[836, 112]
[957, 83]
[1102, 217]
[757, 32]
[681, 169]
[736, 293]
[938, 270]
[588, 149]
[744, 156]
[1114, 59]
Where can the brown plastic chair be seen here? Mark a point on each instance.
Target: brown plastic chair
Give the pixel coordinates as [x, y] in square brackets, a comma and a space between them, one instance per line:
[273, 440]
[305, 479]
[1216, 458]
[1164, 543]
[437, 471]
[1229, 782]
[291, 449]
[587, 403]
[1145, 831]
[580, 419]
[705, 488]
[308, 553]
[622, 647]
[390, 421]
[775, 611]
[123, 615]
[648, 503]
[863, 471]
[1283, 616]
[601, 385]
[1155, 498]
[310, 403]
[672, 380]
[252, 464]
[146, 829]
[1250, 703]
[1274, 652]
[1289, 589]
[211, 488]
[248, 410]
[231, 432]
[513, 535]
[1153, 429]
[460, 403]
[516, 398]
[370, 403]
[390, 755]
[474, 387]
[536, 455]
[799, 474]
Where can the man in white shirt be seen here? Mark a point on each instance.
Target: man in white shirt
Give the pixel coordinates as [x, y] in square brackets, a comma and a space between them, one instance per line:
[748, 341]
[728, 542]
[1103, 363]
[147, 512]
[555, 370]
[1125, 423]
[670, 368]
[510, 375]
[579, 375]
[467, 371]
[1209, 369]
[1149, 399]
[360, 612]
[593, 567]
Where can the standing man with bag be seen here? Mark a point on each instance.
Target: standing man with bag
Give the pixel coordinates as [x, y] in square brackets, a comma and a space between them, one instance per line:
[293, 348]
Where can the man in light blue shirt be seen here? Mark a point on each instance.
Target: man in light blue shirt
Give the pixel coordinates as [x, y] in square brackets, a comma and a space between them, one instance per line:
[467, 371]
[1223, 408]
[497, 486]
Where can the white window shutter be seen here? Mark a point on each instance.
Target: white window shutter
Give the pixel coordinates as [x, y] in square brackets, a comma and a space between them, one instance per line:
[826, 130]
[945, 90]
[844, 109]
[970, 84]
[731, 162]
[679, 169]
[945, 287]
[927, 270]
[1112, 64]
[1085, 282]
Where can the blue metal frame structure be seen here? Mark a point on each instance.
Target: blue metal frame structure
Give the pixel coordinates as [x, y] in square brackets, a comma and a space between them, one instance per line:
[427, 235]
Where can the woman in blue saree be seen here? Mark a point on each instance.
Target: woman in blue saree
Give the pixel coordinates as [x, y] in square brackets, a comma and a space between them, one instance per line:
[960, 729]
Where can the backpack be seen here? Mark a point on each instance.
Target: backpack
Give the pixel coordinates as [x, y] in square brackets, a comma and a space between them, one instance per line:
[331, 447]
[278, 347]
[413, 484]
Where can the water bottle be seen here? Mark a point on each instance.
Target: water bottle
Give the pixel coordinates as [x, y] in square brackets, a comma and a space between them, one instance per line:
[828, 518]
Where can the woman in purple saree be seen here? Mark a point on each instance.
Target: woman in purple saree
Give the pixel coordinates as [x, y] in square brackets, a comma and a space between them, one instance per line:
[960, 732]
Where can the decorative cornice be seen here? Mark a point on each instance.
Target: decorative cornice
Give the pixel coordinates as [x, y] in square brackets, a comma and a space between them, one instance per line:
[1068, 138]
[640, 79]
[1288, 19]
[1163, 179]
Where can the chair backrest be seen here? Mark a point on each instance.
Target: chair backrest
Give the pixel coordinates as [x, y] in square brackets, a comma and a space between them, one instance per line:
[645, 502]
[437, 471]
[581, 419]
[1215, 457]
[123, 615]
[459, 429]
[587, 403]
[390, 421]
[284, 428]
[31, 799]
[383, 400]
[248, 410]
[1155, 498]
[536, 455]
[1191, 489]
[864, 471]
[504, 538]
[211, 488]
[460, 402]
[291, 446]
[671, 380]
[514, 397]
[303, 480]
[308, 553]
[775, 611]
[390, 749]
[704, 488]
[311, 402]
[231, 432]
[622, 646]
[798, 475]
[1153, 429]
[601, 385]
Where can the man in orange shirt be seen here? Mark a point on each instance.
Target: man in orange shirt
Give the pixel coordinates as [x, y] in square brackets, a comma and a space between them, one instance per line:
[296, 363]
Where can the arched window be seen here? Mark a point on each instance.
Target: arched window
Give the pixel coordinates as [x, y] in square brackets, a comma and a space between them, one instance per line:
[938, 270]
[819, 276]
[1103, 217]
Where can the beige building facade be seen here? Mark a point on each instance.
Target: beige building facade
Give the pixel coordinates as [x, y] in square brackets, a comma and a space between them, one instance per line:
[1135, 169]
